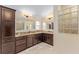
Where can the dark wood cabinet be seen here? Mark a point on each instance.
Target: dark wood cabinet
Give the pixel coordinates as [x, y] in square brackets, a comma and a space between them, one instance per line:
[24, 42]
[48, 38]
[7, 30]
[29, 41]
[39, 38]
[20, 48]
[8, 48]
[8, 14]
[7, 39]
[34, 39]
[20, 43]
[8, 22]
[20, 40]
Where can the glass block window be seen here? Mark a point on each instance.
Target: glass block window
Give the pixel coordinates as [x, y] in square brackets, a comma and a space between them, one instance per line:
[68, 19]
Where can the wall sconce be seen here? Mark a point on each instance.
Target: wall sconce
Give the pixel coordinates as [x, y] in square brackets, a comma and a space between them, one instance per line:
[26, 16]
[50, 18]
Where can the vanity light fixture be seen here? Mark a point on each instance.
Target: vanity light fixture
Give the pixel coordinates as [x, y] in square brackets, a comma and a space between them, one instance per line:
[50, 18]
[26, 16]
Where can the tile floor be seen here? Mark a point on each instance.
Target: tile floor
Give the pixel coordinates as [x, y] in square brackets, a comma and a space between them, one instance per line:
[41, 48]
[44, 48]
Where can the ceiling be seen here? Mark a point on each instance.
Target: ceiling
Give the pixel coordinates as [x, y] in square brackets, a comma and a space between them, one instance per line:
[36, 10]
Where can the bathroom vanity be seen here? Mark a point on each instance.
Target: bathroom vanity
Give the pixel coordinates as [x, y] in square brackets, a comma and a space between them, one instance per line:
[30, 39]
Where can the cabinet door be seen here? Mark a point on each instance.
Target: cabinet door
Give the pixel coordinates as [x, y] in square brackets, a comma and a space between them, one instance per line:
[44, 38]
[39, 38]
[8, 48]
[8, 39]
[8, 22]
[20, 40]
[49, 39]
[35, 40]
[20, 43]
[8, 14]
[8, 45]
[29, 41]
[20, 47]
[8, 30]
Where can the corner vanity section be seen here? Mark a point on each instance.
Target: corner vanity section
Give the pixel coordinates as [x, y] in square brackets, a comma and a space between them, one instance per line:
[30, 39]
[12, 42]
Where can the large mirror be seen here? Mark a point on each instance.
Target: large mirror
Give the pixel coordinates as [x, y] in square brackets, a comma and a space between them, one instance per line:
[19, 26]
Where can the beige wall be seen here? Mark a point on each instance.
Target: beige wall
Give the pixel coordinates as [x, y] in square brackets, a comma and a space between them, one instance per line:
[64, 42]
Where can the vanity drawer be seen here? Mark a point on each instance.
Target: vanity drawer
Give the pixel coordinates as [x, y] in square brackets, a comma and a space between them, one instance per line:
[8, 39]
[20, 38]
[8, 48]
[20, 48]
[19, 42]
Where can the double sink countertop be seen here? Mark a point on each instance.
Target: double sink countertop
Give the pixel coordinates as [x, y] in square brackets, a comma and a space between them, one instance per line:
[18, 34]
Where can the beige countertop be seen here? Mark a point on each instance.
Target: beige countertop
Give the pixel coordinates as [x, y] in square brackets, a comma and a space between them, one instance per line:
[18, 34]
